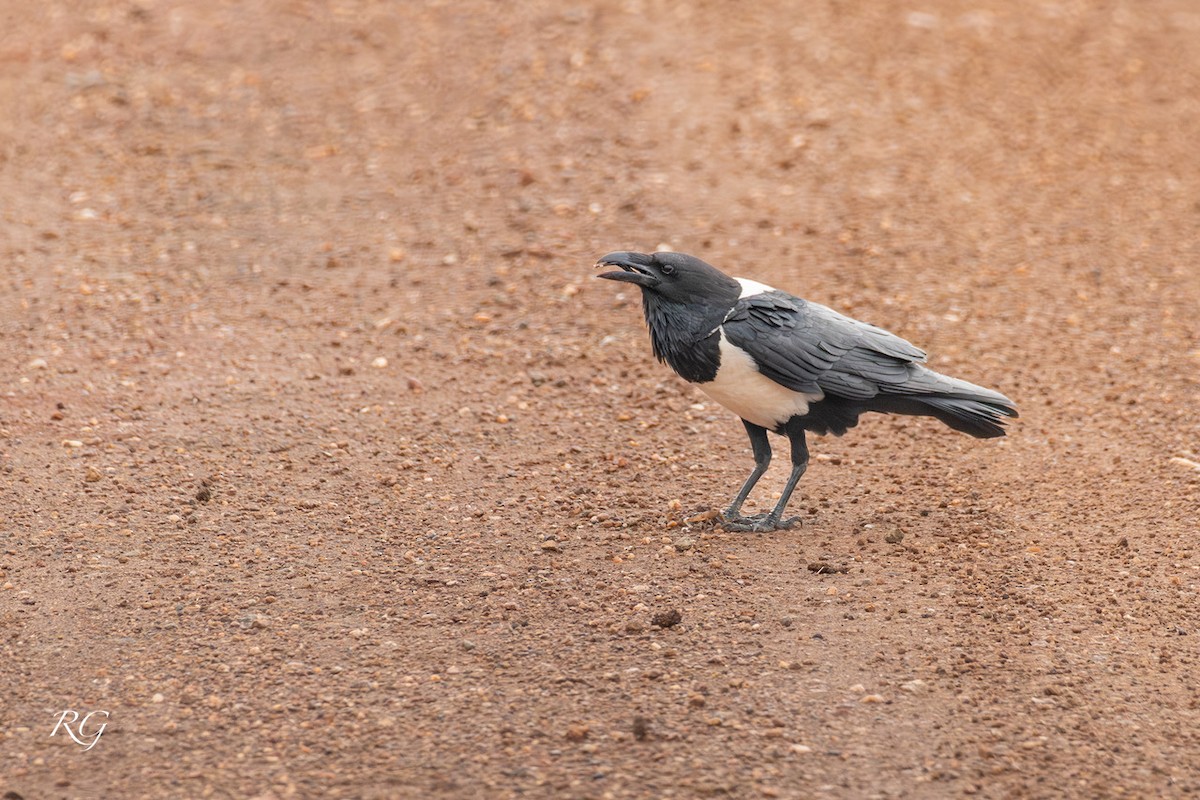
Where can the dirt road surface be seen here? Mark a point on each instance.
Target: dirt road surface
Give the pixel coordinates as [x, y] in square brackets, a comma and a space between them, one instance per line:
[328, 470]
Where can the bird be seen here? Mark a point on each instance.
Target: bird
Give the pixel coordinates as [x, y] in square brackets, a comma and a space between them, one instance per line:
[788, 366]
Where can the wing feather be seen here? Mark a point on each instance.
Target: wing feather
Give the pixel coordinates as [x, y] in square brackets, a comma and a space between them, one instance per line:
[808, 347]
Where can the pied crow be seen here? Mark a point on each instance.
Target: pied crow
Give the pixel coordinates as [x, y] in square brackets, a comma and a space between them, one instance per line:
[788, 365]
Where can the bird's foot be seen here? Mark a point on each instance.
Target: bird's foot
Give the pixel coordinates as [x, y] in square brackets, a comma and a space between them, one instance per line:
[759, 523]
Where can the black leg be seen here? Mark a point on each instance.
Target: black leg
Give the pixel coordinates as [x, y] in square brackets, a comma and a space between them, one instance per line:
[799, 464]
[762, 459]
[774, 520]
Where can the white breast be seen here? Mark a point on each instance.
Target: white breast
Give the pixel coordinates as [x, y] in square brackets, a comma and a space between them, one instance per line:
[741, 388]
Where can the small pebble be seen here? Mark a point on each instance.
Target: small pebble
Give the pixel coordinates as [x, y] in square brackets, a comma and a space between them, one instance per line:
[825, 568]
[641, 728]
[667, 619]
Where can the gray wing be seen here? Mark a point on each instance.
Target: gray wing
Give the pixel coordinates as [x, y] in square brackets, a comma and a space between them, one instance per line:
[810, 348]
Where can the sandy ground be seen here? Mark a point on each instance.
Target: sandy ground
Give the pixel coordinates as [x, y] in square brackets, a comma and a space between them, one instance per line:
[328, 470]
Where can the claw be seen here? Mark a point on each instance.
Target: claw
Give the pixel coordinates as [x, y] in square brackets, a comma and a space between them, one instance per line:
[759, 523]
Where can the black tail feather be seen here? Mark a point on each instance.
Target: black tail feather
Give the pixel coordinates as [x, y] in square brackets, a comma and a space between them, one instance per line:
[978, 414]
[983, 419]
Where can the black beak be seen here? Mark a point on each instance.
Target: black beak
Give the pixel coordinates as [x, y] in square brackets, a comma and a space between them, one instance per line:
[635, 268]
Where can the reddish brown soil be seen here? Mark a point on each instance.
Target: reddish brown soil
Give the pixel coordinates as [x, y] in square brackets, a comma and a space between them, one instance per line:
[328, 470]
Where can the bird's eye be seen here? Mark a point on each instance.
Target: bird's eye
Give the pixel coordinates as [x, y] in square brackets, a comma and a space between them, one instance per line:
[667, 269]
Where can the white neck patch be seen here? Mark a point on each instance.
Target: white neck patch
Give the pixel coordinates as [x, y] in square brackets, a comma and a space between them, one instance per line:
[750, 288]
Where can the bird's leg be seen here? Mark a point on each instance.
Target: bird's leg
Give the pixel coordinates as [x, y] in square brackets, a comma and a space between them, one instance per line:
[761, 447]
[775, 521]
[799, 464]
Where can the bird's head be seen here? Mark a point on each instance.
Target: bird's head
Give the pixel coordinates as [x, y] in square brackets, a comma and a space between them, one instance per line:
[671, 277]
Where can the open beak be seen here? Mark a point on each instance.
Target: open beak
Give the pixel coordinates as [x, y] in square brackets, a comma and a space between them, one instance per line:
[635, 268]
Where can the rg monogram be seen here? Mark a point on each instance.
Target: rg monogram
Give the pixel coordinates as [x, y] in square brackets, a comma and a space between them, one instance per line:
[85, 739]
